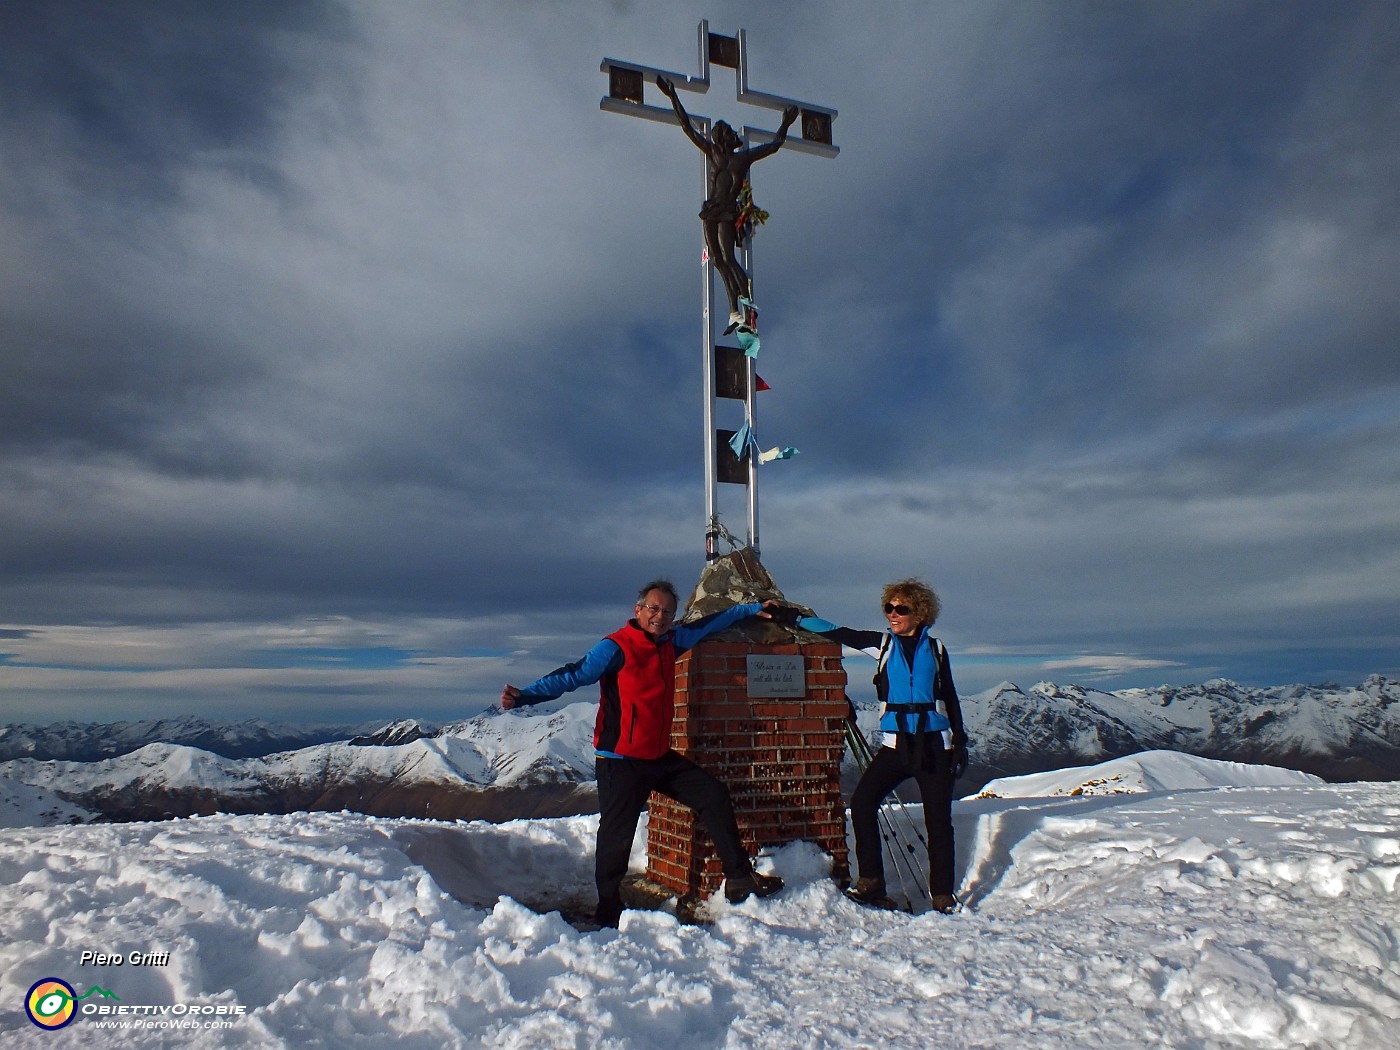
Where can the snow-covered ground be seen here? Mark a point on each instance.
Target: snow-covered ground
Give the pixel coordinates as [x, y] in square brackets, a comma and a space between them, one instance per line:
[1186, 915]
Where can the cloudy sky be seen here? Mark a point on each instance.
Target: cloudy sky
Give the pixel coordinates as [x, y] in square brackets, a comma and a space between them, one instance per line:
[351, 355]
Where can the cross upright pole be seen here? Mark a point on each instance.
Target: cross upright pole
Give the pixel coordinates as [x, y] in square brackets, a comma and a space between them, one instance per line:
[627, 82]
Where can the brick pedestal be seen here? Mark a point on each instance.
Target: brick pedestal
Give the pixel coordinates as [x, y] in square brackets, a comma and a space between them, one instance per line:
[779, 757]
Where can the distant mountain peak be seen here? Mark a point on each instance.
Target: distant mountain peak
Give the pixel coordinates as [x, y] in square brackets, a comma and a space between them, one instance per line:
[403, 731]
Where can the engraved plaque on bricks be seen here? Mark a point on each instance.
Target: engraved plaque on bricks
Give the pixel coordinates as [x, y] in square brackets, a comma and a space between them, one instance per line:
[776, 675]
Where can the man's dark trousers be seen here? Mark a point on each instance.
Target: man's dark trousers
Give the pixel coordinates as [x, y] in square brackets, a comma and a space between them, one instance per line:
[623, 787]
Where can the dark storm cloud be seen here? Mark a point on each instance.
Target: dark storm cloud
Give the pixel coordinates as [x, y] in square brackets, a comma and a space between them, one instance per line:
[109, 105]
[1131, 215]
[134, 87]
[337, 322]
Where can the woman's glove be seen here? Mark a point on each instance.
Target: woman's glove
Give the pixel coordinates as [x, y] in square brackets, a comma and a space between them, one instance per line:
[958, 766]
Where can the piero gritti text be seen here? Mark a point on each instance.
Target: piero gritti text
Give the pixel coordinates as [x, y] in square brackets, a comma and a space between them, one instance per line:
[130, 959]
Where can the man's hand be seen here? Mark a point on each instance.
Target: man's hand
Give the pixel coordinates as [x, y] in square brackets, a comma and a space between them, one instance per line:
[667, 88]
[510, 697]
[780, 613]
[789, 115]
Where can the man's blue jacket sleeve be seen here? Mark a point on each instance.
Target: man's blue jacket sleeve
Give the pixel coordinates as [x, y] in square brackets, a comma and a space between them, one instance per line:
[687, 636]
[607, 656]
[604, 657]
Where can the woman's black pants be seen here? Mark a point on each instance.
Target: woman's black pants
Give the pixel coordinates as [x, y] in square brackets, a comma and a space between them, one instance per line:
[887, 770]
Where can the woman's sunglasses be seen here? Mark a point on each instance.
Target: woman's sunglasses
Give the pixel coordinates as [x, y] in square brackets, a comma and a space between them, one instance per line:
[902, 610]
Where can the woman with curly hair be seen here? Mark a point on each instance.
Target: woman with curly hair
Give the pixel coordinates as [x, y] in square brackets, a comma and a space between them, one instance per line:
[923, 736]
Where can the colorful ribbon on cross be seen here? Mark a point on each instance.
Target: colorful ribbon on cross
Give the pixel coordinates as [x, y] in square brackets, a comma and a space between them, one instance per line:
[747, 331]
[744, 437]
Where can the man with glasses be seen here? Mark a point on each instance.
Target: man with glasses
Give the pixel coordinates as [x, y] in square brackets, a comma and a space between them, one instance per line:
[923, 735]
[635, 668]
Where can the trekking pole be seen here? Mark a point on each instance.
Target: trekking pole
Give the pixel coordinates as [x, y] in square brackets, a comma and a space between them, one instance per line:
[903, 855]
[902, 807]
[910, 859]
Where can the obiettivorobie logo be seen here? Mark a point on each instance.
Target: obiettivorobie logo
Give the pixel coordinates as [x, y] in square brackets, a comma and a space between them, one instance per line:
[52, 1002]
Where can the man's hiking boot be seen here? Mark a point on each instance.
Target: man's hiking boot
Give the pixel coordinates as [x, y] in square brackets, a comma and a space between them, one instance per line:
[608, 914]
[944, 902]
[755, 885]
[871, 893]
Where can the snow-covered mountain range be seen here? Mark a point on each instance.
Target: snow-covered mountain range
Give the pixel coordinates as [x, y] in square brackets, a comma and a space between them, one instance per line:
[491, 767]
[539, 762]
[89, 742]
[1339, 734]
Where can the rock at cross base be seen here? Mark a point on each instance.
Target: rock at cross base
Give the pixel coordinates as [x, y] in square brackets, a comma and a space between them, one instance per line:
[734, 579]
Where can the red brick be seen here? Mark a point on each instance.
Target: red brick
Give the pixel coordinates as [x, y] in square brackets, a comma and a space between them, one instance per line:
[780, 757]
[768, 709]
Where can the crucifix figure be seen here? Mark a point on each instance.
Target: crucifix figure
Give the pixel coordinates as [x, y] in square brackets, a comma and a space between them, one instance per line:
[729, 174]
[725, 218]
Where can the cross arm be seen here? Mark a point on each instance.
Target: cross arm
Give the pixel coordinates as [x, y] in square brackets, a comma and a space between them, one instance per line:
[627, 82]
[759, 137]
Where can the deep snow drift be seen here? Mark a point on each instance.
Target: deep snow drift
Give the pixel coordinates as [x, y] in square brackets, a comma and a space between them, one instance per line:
[1195, 916]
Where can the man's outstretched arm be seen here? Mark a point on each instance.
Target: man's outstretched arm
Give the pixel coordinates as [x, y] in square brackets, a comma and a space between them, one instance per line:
[687, 636]
[598, 661]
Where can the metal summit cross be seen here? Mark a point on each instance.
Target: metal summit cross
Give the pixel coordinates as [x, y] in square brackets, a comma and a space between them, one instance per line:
[728, 371]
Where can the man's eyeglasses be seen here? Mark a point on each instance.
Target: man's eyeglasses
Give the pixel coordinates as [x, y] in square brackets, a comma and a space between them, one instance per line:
[901, 610]
[659, 610]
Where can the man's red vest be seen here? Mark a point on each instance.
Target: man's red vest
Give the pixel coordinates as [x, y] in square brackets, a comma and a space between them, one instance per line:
[637, 702]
